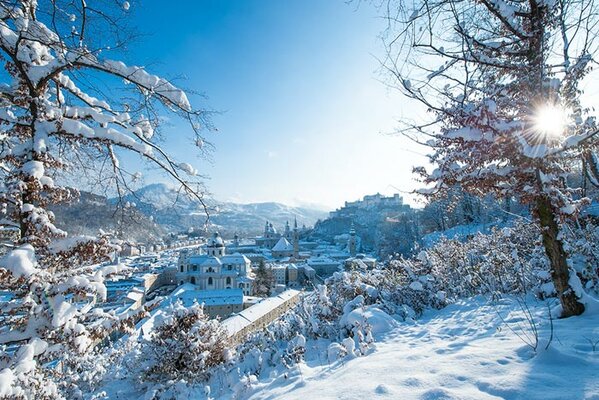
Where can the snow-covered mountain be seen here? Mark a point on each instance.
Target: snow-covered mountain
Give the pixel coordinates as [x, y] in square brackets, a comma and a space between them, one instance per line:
[177, 212]
[92, 213]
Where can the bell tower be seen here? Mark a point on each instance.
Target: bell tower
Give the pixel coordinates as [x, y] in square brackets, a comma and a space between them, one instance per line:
[295, 240]
[352, 241]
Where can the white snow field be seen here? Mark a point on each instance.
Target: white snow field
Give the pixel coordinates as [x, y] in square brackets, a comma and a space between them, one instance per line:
[473, 349]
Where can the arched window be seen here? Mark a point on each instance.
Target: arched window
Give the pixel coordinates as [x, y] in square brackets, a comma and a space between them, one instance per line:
[210, 269]
[193, 280]
[181, 267]
[210, 280]
[195, 267]
[228, 280]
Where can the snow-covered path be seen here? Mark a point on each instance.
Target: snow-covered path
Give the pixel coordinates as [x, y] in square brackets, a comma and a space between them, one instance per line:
[466, 351]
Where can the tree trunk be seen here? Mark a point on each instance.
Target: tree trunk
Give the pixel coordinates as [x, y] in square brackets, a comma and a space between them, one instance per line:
[557, 257]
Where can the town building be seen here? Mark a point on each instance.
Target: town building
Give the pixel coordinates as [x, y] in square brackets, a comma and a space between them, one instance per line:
[214, 269]
[259, 316]
[280, 245]
[216, 303]
[375, 201]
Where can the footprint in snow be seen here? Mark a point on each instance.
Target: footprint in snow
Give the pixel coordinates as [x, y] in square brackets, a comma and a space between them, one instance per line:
[381, 389]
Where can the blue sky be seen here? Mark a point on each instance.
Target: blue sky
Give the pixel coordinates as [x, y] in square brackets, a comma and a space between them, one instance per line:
[305, 119]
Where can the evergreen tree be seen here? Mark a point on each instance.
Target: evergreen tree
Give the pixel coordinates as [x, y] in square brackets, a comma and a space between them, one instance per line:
[264, 281]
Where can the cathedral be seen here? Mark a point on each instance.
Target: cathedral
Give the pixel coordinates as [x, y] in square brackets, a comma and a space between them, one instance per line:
[215, 270]
[282, 245]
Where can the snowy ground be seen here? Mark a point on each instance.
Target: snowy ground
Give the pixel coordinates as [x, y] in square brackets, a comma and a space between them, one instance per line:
[469, 350]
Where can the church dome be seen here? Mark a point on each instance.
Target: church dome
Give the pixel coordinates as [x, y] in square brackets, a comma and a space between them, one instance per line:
[216, 241]
[272, 229]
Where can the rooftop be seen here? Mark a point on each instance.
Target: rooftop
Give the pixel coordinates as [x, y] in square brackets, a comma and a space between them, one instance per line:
[283, 245]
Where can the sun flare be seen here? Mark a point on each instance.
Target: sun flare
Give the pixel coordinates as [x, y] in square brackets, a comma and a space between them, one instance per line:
[550, 120]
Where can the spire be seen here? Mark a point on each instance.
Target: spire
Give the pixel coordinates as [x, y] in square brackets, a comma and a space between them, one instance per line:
[295, 223]
[352, 242]
[287, 230]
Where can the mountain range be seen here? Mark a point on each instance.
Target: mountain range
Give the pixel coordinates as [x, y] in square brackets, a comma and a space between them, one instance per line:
[175, 211]
[155, 210]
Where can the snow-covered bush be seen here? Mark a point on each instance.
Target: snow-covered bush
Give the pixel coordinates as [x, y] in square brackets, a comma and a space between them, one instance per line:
[185, 345]
[582, 244]
[296, 348]
[508, 260]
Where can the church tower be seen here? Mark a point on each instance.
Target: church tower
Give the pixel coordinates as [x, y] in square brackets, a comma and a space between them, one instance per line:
[287, 231]
[215, 246]
[295, 240]
[352, 242]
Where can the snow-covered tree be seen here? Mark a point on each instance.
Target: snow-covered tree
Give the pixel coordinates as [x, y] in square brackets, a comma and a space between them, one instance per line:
[502, 79]
[67, 107]
[185, 345]
[265, 280]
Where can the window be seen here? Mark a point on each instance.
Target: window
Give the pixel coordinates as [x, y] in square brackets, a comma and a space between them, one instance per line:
[210, 269]
[228, 280]
[181, 268]
[210, 280]
[193, 280]
[195, 267]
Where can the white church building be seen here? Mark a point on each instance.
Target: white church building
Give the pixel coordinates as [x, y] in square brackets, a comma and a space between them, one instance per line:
[215, 270]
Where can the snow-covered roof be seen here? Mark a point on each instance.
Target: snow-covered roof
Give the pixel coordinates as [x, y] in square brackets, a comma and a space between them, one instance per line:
[236, 258]
[246, 317]
[307, 268]
[183, 288]
[211, 261]
[208, 297]
[135, 295]
[321, 261]
[204, 259]
[283, 245]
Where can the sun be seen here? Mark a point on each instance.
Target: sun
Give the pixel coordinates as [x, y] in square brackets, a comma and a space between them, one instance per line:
[550, 121]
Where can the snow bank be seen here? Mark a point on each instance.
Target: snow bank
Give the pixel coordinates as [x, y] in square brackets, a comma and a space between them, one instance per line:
[465, 351]
[380, 322]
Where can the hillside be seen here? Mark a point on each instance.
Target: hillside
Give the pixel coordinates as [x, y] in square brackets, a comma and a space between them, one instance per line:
[177, 212]
[383, 229]
[474, 349]
[92, 213]
[469, 350]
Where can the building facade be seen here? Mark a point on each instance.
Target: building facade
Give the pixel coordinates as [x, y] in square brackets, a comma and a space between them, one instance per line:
[215, 270]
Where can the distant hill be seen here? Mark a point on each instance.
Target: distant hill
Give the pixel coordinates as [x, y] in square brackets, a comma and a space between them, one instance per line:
[93, 213]
[386, 226]
[177, 212]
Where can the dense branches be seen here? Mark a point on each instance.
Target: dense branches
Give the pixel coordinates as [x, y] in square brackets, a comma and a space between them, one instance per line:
[55, 120]
[504, 68]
